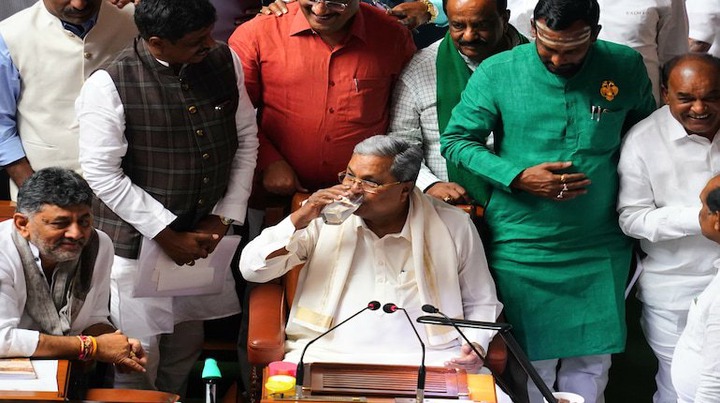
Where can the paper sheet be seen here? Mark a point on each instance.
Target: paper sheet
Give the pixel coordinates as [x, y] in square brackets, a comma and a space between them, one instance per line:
[159, 276]
[46, 381]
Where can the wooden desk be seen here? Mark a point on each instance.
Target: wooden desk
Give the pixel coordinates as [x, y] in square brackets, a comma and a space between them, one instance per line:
[63, 375]
[471, 386]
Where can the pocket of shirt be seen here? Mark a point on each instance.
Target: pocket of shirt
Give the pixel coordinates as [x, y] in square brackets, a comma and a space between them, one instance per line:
[604, 134]
[367, 100]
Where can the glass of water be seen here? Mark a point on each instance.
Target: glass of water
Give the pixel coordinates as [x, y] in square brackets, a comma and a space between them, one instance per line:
[339, 210]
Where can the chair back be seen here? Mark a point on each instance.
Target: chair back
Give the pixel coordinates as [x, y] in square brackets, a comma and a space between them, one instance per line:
[7, 209]
[130, 395]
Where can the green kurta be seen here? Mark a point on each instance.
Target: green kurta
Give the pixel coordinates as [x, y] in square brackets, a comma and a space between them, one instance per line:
[560, 267]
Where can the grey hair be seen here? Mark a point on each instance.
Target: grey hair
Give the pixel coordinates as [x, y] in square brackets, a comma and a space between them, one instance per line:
[55, 186]
[406, 156]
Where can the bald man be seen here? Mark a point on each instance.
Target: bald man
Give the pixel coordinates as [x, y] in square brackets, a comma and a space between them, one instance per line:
[665, 161]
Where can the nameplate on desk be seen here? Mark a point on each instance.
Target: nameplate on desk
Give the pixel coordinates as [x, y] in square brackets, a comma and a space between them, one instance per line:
[383, 380]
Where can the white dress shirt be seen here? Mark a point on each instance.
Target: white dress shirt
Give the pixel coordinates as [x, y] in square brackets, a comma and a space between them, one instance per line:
[381, 270]
[696, 362]
[662, 172]
[658, 29]
[103, 146]
[19, 333]
[704, 20]
[413, 115]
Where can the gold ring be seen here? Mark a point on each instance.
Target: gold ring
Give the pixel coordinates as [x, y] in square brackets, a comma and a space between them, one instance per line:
[562, 178]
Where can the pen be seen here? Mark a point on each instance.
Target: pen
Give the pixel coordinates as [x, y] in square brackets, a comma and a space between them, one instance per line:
[592, 112]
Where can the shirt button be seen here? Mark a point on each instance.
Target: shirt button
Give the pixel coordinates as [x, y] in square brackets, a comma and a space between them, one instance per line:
[88, 55]
[206, 180]
[332, 83]
[200, 202]
[199, 132]
[206, 156]
[331, 110]
[192, 110]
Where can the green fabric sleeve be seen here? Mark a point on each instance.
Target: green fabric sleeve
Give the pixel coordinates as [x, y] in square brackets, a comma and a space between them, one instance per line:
[472, 121]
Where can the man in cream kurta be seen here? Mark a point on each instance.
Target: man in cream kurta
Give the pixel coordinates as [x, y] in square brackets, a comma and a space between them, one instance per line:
[384, 252]
[46, 53]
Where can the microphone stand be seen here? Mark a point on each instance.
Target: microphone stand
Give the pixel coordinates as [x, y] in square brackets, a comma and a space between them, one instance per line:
[503, 330]
[392, 308]
[300, 371]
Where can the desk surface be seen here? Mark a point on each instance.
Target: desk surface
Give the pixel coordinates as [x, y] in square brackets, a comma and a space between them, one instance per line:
[62, 381]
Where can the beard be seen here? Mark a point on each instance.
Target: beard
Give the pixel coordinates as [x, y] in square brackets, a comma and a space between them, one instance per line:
[57, 251]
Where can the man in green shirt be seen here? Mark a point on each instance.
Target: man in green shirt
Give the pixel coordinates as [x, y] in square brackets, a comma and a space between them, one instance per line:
[558, 108]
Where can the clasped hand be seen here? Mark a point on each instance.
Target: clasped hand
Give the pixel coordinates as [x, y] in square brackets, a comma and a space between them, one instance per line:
[544, 180]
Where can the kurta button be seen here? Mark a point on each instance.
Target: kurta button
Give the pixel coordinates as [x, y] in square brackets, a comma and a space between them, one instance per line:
[331, 110]
[192, 109]
[199, 132]
[206, 180]
[200, 202]
[206, 156]
[332, 83]
[88, 55]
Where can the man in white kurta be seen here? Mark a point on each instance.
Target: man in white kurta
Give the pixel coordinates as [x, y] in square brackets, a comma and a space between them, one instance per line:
[704, 21]
[55, 276]
[401, 246]
[657, 29]
[665, 162]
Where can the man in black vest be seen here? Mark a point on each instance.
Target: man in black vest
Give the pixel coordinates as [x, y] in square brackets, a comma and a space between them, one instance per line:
[168, 142]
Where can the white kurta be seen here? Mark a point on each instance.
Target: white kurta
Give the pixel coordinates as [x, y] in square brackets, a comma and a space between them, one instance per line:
[696, 363]
[381, 270]
[662, 172]
[18, 332]
[102, 148]
[704, 20]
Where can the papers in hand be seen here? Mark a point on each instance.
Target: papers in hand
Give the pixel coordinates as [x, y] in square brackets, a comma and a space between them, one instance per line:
[159, 276]
[17, 368]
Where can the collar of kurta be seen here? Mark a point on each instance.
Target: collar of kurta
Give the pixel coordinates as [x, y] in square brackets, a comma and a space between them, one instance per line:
[300, 24]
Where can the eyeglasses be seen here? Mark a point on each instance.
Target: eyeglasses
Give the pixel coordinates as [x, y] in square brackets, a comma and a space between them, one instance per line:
[336, 6]
[347, 178]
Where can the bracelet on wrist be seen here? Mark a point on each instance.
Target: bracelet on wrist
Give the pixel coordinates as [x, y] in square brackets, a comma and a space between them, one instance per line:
[88, 347]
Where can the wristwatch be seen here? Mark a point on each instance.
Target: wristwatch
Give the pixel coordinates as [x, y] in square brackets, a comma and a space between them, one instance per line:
[431, 9]
[226, 221]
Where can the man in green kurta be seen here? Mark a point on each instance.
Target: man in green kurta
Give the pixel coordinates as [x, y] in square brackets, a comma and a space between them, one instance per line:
[558, 109]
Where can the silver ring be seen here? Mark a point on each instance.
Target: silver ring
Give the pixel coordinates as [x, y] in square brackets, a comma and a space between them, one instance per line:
[565, 188]
[560, 195]
[447, 199]
[192, 262]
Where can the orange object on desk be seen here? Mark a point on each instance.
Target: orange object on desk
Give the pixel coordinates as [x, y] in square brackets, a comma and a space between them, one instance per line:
[481, 388]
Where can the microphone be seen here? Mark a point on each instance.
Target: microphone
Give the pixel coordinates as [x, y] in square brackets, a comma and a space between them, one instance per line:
[431, 309]
[300, 372]
[392, 308]
[504, 332]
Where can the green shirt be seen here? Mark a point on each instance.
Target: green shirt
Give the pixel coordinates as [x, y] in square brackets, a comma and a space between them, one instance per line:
[560, 266]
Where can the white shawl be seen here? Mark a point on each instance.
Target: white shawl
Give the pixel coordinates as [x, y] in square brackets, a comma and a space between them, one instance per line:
[434, 258]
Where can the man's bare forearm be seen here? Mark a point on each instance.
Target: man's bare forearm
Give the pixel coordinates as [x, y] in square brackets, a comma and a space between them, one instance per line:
[19, 171]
